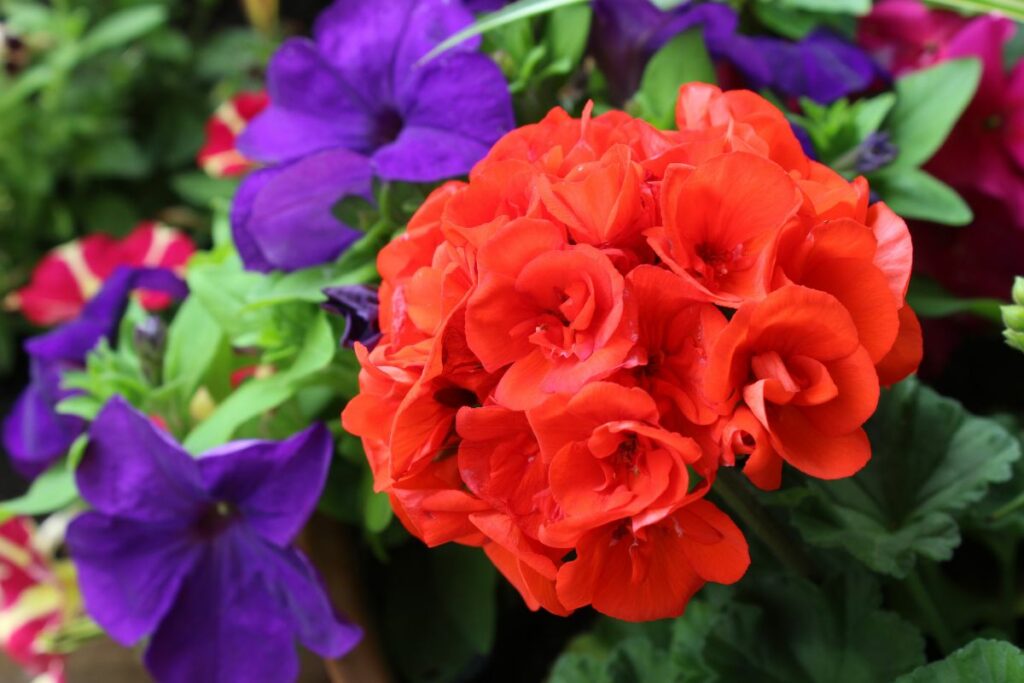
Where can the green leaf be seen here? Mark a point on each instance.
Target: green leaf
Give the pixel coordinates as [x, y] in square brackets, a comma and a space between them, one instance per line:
[516, 11]
[568, 29]
[260, 396]
[854, 7]
[684, 59]
[194, 341]
[666, 5]
[770, 629]
[439, 611]
[1011, 8]
[912, 193]
[928, 103]
[52, 490]
[931, 460]
[465, 581]
[80, 405]
[981, 661]
[201, 190]
[114, 158]
[930, 300]
[868, 114]
[122, 27]
[788, 630]
[377, 512]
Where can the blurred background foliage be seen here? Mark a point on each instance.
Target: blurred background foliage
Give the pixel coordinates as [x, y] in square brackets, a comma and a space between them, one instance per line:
[102, 109]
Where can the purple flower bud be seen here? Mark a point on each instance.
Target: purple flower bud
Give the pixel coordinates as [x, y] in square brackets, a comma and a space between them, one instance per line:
[358, 305]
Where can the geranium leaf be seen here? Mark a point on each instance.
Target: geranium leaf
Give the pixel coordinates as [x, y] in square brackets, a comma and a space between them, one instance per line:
[981, 661]
[788, 630]
[931, 460]
[771, 629]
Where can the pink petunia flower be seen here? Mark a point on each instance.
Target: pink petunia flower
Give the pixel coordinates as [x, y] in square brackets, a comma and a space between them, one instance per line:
[219, 156]
[905, 35]
[35, 601]
[985, 151]
[70, 275]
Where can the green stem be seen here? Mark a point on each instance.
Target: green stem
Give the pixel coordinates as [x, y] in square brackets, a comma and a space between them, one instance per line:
[733, 491]
[1008, 508]
[934, 622]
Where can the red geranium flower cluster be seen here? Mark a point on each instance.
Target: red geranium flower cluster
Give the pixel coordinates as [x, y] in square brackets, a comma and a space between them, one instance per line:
[575, 340]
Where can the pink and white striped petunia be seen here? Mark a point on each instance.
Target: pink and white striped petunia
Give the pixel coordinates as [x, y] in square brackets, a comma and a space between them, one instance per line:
[71, 274]
[219, 156]
[34, 601]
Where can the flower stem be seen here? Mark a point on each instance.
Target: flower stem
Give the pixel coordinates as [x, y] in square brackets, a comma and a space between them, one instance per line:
[934, 622]
[760, 522]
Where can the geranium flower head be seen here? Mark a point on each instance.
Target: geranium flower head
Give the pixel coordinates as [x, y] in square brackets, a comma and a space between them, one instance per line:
[354, 102]
[796, 361]
[194, 554]
[219, 155]
[721, 224]
[555, 380]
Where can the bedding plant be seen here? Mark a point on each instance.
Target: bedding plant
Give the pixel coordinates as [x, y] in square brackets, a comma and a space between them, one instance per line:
[554, 340]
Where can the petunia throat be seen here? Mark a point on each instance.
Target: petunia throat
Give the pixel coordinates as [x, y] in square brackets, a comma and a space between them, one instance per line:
[216, 519]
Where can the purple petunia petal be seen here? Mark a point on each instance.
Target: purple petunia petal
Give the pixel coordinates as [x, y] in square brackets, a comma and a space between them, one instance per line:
[460, 95]
[627, 33]
[35, 435]
[375, 45]
[224, 627]
[73, 341]
[275, 485]
[311, 109]
[484, 5]
[282, 217]
[358, 305]
[134, 470]
[130, 572]
[427, 154]
[298, 591]
[822, 67]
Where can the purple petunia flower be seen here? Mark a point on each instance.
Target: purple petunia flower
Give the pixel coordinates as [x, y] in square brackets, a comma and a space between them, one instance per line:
[194, 552]
[358, 305]
[34, 434]
[355, 102]
[822, 66]
[627, 33]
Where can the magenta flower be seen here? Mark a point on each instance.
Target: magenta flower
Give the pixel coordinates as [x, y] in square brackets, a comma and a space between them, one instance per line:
[905, 35]
[985, 151]
[194, 553]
